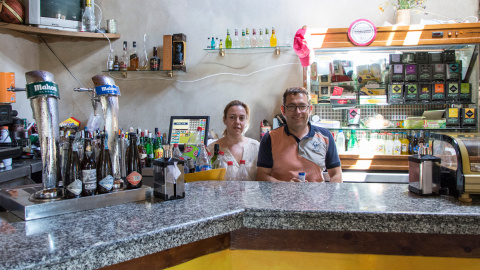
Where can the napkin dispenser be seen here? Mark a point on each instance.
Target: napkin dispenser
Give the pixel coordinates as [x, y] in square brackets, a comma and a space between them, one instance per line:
[168, 178]
[424, 174]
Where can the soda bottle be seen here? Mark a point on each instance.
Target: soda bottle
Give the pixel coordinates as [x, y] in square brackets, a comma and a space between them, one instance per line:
[193, 145]
[242, 174]
[220, 162]
[230, 174]
[202, 163]
[176, 153]
[340, 143]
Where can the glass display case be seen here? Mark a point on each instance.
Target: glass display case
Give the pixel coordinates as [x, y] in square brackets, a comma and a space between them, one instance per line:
[394, 85]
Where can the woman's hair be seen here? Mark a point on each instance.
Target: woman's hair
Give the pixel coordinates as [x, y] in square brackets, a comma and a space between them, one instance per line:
[236, 103]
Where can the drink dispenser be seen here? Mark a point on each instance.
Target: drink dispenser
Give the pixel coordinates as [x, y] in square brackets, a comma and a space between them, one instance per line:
[168, 178]
[107, 93]
[43, 94]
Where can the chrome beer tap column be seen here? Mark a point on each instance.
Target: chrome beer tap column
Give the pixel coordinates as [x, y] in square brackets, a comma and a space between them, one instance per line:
[43, 94]
[107, 93]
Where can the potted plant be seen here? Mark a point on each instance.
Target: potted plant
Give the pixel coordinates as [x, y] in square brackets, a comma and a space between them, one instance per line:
[403, 8]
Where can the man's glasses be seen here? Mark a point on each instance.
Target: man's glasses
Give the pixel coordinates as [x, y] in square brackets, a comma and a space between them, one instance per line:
[292, 108]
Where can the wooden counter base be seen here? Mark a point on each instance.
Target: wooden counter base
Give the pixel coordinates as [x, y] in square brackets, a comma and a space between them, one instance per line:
[406, 244]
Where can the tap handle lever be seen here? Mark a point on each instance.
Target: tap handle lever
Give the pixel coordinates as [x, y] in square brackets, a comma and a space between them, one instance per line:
[15, 89]
[82, 89]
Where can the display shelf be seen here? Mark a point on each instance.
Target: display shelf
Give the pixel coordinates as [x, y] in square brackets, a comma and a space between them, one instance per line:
[400, 129]
[28, 29]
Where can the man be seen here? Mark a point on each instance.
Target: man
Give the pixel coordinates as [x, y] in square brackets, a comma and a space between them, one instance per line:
[298, 146]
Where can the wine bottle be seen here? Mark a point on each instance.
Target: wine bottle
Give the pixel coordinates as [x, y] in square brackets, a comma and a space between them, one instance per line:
[72, 184]
[104, 168]
[134, 168]
[89, 169]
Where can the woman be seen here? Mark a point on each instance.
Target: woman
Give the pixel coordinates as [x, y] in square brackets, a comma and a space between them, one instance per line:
[236, 147]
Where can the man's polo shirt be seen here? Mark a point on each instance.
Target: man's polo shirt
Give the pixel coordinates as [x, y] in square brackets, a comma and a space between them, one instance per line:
[287, 155]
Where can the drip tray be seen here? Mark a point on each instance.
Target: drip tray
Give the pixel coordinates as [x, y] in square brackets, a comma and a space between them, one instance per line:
[17, 201]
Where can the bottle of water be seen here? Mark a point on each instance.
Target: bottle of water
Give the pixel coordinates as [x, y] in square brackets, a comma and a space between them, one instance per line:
[230, 174]
[176, 153]
[242, 174]
[202, 163]
[220, 162]
[340, 143]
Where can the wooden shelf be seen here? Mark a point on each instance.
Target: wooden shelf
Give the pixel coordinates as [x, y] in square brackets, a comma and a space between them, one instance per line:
[374, 162]
[28, 29]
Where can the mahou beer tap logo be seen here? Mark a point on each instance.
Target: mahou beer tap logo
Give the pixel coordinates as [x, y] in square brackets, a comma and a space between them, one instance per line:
[42, 89]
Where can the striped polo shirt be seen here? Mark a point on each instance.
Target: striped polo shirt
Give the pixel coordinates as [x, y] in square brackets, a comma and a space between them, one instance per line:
[287, 155]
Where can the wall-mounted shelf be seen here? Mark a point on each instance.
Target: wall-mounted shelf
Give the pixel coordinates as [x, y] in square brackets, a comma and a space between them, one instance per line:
[28, 29]
[125, 72]
[222, 52]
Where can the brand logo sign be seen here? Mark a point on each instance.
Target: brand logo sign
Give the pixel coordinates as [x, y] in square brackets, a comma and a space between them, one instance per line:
[107, 90]
[42, 89]
[362, 32]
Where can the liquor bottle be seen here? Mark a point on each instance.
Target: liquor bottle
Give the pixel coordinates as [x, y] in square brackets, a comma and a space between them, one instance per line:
[124, 61]
[202, 163]
[260, 39]
[242, 174]
[397, 145]
[209, 44]
[133, 58]
[273, 39]
[176, 153]
[89, 169]
[267, 38]
[155, 61]
[253, 41]
[242, 40]
[72, 183]
[142, 151]
[231, 173]
[217, 43]
[236, 40]
[134, 168]
[143, 61]
[149, 149]
[116, 64]
[104, 168]
[88, 18]
[228, 40]
[110, 61]
[212, 43]
[415, 143]
[247, 39]
[422, 145]
[220, 44]
[157, 147]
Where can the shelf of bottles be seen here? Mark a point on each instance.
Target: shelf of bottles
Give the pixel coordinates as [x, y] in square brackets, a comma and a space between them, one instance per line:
[124, 73]
[276, 50]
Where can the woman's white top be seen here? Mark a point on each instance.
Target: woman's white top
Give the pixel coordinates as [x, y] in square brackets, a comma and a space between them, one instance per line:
[250, 155]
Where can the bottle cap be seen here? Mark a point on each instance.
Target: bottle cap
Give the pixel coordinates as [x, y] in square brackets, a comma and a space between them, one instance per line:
[175, 145]
[199, 128]
[242, 161]
[221, 153]
[230, 163]
[209, 154]
[301, 174]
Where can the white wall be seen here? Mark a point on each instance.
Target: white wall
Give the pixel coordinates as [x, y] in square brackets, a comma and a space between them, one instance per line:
[148, 100]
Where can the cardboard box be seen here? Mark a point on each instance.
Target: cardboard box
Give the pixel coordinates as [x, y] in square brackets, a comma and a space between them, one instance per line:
[435, 124]
[376, 99]
[343, 101]
[179, 49]
[167, 52]
[7, 80]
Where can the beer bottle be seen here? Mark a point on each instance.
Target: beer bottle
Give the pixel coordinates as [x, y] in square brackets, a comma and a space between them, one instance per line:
[142, 151]
[72, 184]
[104, 168]
[134, 168]
[89, 169]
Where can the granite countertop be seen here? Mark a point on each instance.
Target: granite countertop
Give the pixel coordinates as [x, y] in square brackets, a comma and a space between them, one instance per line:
[106, 236]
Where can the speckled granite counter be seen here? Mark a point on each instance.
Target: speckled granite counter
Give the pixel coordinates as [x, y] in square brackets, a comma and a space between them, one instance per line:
[101, 237]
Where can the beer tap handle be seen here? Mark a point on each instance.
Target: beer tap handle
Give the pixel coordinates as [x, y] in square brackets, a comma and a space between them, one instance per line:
[15, 89]
[82, 89]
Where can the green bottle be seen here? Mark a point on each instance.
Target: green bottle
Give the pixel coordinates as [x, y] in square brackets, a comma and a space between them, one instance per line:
[228, 40]
[149, 148]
